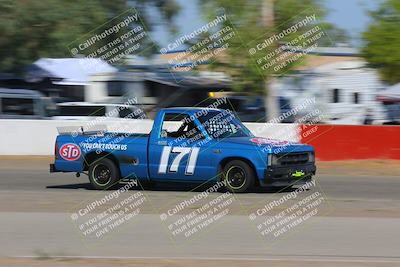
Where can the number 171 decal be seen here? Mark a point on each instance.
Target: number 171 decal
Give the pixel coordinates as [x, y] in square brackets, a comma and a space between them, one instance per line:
[182, 151]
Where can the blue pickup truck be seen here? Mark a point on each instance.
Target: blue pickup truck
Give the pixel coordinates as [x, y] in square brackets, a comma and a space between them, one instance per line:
[186, 145]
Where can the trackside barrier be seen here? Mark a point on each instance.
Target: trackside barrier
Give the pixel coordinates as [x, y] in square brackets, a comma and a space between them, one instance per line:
[37, 137]
[346, 142]
[331, 142]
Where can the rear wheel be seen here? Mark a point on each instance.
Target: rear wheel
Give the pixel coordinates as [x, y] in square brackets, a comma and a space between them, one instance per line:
[103, 174]
[238, 176]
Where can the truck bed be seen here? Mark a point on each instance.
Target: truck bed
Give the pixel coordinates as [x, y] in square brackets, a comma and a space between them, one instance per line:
[129, 150]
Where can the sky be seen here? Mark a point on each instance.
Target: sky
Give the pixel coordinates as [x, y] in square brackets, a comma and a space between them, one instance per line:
[351, 15]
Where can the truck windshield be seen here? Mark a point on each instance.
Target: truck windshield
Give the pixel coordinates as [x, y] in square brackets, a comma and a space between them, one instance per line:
[222, 124]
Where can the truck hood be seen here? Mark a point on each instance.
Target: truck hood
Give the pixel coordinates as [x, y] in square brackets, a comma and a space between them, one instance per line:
[270, 145]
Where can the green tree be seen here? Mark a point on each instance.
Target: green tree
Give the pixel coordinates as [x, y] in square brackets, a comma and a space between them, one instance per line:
[382, 41]
[31, 29]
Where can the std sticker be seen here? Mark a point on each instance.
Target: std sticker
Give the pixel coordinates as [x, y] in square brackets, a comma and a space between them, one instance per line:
[70, 152]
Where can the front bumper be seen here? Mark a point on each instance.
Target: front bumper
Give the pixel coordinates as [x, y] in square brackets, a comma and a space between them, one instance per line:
[288, 175]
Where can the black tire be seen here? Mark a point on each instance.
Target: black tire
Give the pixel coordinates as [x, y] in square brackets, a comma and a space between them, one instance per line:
[103, 174]
[238, 176]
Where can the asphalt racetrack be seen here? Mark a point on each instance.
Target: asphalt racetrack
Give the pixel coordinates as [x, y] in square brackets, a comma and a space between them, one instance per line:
[350, 217]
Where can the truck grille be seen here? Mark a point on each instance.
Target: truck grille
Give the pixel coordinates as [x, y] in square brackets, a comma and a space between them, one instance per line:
[293, 158]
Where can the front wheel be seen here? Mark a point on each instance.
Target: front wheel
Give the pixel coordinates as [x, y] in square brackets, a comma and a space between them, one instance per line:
[103, 174]
[238, 176]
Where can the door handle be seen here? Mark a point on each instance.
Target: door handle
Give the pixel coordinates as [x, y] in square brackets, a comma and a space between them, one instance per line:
[162, 143]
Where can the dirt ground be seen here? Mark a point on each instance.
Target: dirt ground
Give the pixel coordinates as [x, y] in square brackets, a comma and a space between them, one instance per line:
[360, 167]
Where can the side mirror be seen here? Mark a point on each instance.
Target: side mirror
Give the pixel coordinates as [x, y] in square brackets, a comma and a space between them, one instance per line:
[164, 134]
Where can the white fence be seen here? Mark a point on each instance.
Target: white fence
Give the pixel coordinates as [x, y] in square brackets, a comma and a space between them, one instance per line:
[37, 137]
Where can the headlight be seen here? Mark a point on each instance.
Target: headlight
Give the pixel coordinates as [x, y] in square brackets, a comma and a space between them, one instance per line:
[311, 157]
[272, 159]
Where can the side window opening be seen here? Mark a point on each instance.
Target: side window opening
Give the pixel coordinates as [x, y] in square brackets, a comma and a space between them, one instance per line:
[17, 106]
[93, 111]
[129, 113]
[356, 98]
[125, 112]
[179, 126]
[335, 95]
[116, 88]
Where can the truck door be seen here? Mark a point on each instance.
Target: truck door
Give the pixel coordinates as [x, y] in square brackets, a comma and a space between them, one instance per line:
[176, 152]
